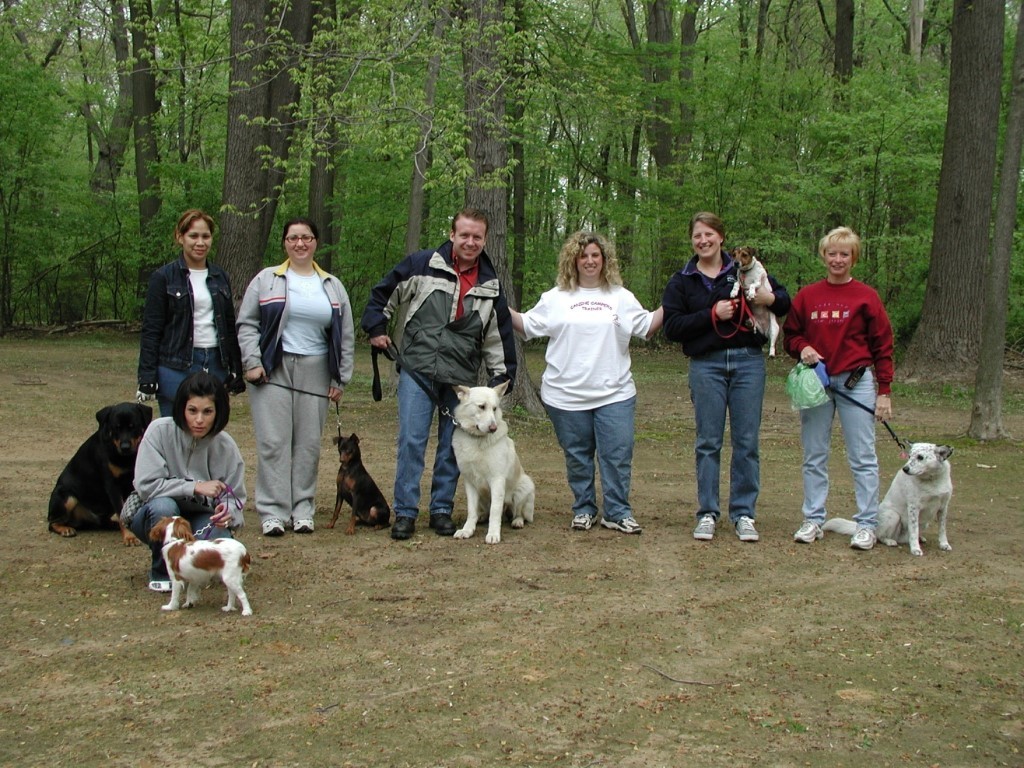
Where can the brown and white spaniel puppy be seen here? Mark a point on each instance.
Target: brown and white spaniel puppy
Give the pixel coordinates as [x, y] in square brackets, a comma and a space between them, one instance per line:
[194, 563]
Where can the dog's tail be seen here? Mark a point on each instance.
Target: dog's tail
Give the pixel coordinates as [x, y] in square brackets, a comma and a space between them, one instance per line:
[840, 525]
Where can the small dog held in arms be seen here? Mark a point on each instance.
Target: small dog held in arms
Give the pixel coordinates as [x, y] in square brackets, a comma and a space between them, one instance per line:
[752, 274]
[93, 486]
[919, 493]
[369, 507]
[194, 563]
[494, 478]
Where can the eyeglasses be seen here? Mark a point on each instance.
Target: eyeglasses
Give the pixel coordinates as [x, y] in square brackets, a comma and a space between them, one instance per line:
[296, 238]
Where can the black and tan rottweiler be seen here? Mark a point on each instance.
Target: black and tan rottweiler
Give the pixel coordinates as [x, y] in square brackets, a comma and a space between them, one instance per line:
[100, 476]
[355, 486]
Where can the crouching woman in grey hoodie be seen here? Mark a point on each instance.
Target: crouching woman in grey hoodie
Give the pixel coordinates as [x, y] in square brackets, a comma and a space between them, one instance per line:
[188, 465]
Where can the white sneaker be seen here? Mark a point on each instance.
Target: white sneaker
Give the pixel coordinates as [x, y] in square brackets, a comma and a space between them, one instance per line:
[582, 522]
[705, 530]
[863, 538]
[745, 529]
[273, 528]
[303, 526]
[808, 533]
[625, 525]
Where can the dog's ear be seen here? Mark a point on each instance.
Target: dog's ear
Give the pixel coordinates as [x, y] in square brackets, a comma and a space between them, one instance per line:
[944, 451]
[156, 533]
[500, 389]
[102, 414]
[354, 438]
[461, 391]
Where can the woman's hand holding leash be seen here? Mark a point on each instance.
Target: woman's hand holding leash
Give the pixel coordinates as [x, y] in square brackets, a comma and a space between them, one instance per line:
[725, 309]
[256, 375]
[883, 407]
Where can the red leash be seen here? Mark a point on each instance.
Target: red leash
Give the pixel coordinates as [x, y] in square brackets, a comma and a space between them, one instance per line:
[736, 322]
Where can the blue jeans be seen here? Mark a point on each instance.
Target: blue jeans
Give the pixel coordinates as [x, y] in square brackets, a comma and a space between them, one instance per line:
[151, 513]
[415, 416]
[729, 380]
[608, 432]
[168, 380]
[858, 434]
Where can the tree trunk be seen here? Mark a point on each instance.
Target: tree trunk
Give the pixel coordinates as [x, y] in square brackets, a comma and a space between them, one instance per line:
[422, 155]
[259, 130]
[487, 188]
[915, 29]
[987, 411]
[844, 40]
[948, 333]
[145, 107]
[322, 175]
[112, 144]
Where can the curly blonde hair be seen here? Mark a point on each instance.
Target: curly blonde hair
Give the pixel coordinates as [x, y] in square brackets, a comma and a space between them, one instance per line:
[568, 275]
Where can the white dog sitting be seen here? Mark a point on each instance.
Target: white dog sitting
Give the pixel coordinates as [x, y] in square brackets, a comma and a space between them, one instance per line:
[194, 563]
[753, 275]
[918, 494]
[494, 478]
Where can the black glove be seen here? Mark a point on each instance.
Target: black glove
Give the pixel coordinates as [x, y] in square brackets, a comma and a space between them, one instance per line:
[235, 385]
[146, 392]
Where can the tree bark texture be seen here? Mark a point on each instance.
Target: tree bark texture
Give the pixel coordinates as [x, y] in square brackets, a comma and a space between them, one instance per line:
[144, 108]
[987, 410]
[487, 188]
[948, 333]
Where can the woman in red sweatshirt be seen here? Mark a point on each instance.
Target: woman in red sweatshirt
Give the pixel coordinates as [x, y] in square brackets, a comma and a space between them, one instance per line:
[841, 323]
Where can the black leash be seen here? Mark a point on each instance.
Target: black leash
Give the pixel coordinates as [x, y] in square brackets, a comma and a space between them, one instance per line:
[905, 447]
[337, 407]
[391, 353]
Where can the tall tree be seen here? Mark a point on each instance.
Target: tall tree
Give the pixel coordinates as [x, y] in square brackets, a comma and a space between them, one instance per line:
[484, 77]
[987, 411]
[266, 38]
[145, 106]
[948, 332]
[843, 60]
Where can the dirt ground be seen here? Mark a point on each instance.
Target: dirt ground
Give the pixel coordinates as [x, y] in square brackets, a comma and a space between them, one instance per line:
[551, 648]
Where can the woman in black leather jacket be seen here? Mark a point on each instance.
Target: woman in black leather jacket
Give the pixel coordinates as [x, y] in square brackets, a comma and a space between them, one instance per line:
[188, 322]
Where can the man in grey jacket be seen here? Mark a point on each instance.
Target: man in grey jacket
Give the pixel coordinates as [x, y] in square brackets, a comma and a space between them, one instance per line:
[456, 319]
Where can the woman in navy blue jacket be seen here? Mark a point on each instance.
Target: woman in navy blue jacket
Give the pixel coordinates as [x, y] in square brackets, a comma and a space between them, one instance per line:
[188, 322]
[727, 372]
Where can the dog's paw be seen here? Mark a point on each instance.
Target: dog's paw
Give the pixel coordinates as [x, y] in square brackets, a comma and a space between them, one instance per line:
[916, 551]
[463, 533]
[518, 522]
[169, 607]
[889, 542]
[227, 608]
[945, 547]
[247, 611]
[493, 538]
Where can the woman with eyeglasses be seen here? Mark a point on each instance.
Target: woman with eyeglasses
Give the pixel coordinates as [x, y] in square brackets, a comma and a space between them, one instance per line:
[188, 321]
[188, 465]
[297, 339]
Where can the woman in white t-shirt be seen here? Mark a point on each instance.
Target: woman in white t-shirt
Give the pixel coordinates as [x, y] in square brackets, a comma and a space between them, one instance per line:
[188, 321]
[587, 387]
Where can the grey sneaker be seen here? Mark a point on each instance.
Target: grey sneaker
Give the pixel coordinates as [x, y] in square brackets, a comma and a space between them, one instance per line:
[745, 529]
[808, 533]
[626, 525]
[582, 522]
[863, 538]
[705, 530]
[303, 526]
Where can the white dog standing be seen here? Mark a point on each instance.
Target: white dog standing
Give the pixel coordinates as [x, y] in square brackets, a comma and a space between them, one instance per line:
[752, 275]
[918, 494]
[486, 455]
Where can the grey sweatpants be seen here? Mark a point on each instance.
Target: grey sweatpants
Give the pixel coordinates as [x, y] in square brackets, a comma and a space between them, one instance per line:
[288, 429]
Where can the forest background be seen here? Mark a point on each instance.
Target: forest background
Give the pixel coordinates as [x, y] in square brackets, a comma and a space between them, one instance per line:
[380, 119]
